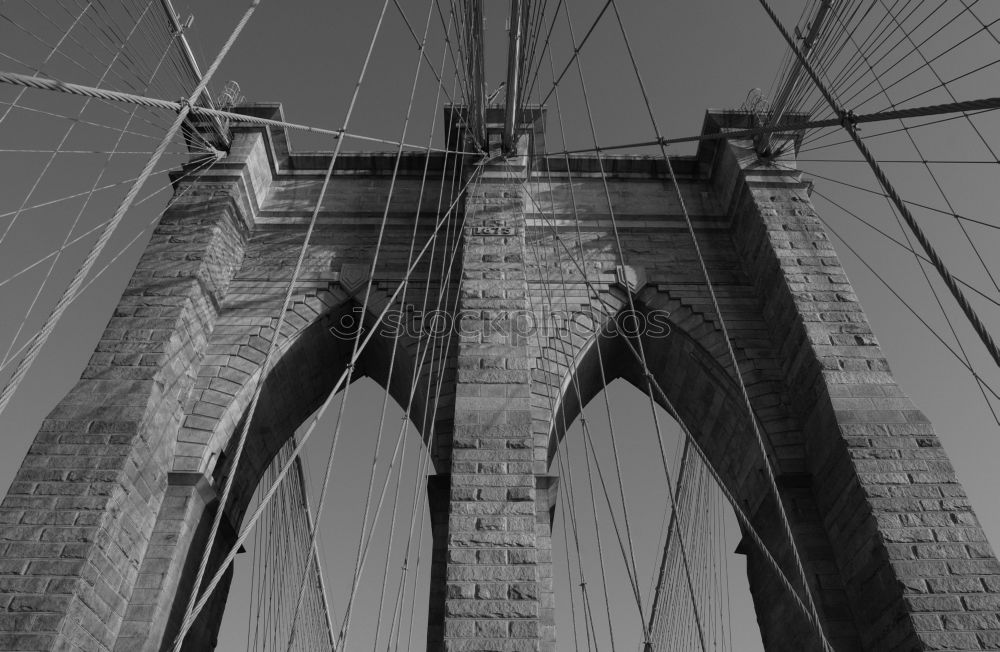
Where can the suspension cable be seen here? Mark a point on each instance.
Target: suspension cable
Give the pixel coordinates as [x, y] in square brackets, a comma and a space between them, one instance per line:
[46, 84]
[48, 57]
[364, 307]
[631, 304]
[42, 336]
[984, 104]
[89, 196]
[741, 515]
[758, 434]
[567, 471]
[265, 500]
[890, 190]
[944, 196]
[192, 609]
[588, 441]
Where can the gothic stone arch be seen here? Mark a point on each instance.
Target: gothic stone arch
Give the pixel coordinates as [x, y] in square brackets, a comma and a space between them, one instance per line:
[701, 388]
[101, 516]
[308, 363]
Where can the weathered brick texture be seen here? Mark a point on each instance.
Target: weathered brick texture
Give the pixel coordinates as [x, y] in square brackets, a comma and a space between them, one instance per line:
[82, 508]
[914, 562]
[106, 519]
[499, 570]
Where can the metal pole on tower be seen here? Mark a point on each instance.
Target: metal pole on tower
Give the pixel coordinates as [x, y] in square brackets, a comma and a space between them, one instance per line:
[514, 57]
[178, 30]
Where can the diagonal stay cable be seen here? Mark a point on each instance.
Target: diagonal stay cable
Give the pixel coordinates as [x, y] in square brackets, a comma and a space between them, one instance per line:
[923, 161]
[265, 500]
[447, 292]
[816, 136]
[365, 546]
[576, 49]
[69, 132]
[48, 57]
[902, 245]
[937, 76]
[912, 251]
[423, 347]
[943, 84]
[814, 617]
[436, 71]
[457, 60]
[201, 160]
[42, 336]
[208, 161]
[565, 449]
[79, 65]
[934, 176]
[631, 305]
[84, 151]
[630, 557]
[588, 616]
[661, 394]
[932, 209]
[371, 279]
[193, 608]
[944, 196]
[890, 190]
[420, 356]
[906, 304]
[86, 201]
[89, 123]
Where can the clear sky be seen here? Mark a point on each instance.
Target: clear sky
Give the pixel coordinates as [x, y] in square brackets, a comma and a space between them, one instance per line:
[693, 55]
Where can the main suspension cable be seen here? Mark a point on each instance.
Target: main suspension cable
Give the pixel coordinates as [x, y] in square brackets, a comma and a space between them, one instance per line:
[890, 190]
[42, 336]
[44, 83]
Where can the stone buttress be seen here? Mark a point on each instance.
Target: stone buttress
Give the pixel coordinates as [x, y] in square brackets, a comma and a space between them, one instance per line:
[107, 517]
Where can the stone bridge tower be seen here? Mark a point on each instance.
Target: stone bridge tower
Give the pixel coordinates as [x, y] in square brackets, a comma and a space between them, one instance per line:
[110, 506]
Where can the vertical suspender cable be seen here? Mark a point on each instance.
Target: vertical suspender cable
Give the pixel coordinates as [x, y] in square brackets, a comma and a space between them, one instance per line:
[314, 551]
[671, 527]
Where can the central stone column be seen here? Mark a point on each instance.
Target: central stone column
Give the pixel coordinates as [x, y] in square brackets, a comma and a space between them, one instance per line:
[498, 548]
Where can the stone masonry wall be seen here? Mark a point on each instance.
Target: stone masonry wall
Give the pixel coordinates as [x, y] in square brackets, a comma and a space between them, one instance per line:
[497, 566]
[81, 510]
[103, 522]
[917, 568]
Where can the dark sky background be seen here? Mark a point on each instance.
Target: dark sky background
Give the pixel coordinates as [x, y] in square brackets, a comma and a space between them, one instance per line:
[693, 55]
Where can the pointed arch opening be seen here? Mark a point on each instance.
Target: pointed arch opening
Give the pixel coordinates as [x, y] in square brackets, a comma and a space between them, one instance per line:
[260, 598]
[375, 519]
[592, 542]
[689, 378]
